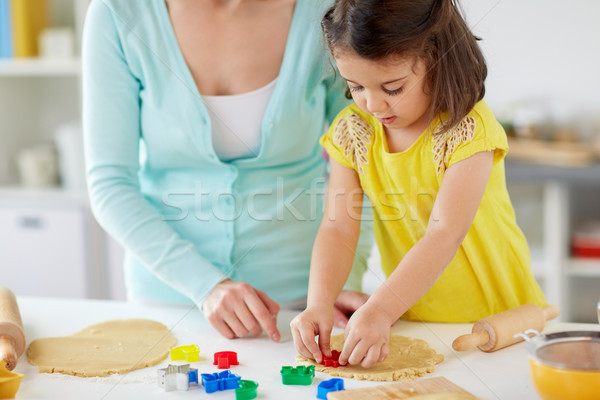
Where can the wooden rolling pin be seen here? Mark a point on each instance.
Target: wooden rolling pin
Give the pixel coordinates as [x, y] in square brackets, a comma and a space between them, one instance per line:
[12, 336]
[497, 331]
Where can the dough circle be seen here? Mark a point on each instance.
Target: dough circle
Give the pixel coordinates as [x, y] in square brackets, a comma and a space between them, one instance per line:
[110, 347]
[408, 359]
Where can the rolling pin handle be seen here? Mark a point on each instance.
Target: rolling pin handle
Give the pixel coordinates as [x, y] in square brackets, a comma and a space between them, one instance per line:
[471, 340]
[551, 311]
[8, 353]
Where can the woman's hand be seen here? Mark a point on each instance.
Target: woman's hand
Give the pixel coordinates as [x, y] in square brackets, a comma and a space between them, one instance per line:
[306, 326]
[235, 309]
[346, 304]
[367, 336]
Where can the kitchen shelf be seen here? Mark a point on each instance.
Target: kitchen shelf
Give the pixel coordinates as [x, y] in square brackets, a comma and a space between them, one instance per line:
[28, 67]
[52, 196]
[554, 267]
[584, 267]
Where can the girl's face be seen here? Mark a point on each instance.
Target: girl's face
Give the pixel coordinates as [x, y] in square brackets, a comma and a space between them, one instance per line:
[393, 90]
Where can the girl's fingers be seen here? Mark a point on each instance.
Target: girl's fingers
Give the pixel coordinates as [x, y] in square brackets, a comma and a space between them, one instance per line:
[371, 357]
[358, 353]
[347, 350]
[299, 344]
[325, 341]
[385, 350]
[308, 334]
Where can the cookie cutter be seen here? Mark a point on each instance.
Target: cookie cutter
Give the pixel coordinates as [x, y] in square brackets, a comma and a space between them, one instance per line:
[331, 385]
[177, 377]
[225, 359]
[246, 391]
[301, 375]
[333, 361]
[9, 382]
[189, 353]
[223, 380]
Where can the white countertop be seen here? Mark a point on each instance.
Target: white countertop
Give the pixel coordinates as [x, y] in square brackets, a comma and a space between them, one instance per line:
[500, 375]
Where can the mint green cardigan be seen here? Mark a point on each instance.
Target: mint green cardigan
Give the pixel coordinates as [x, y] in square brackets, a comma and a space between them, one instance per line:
[186, 219]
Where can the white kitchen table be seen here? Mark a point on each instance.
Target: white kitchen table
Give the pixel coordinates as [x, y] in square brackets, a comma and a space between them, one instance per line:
[500, 375]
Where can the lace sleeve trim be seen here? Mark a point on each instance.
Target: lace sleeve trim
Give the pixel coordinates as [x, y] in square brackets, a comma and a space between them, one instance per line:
[353, 135]
[445, 144]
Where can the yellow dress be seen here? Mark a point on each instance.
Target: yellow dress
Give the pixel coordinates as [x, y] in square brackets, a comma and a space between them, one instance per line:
[491, 271]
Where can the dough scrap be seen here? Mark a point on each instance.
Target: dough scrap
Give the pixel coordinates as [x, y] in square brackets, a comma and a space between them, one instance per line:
[110, 347]
[408, 359]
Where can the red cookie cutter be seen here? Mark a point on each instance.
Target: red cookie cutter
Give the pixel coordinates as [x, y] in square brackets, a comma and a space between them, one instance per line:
[333, 361]
[224, 359]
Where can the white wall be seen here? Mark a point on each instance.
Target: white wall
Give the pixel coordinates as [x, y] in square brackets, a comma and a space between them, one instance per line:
[543, 51]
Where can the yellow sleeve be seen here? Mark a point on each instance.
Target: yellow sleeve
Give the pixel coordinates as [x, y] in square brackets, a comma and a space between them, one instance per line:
[480, 132]
[332, 149]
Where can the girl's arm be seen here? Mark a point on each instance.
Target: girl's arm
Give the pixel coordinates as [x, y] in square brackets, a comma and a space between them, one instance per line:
[332, 257]
[453, 212]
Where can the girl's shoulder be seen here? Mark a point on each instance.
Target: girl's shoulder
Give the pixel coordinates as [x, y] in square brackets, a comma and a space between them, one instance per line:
[350, 137]
[477, 131]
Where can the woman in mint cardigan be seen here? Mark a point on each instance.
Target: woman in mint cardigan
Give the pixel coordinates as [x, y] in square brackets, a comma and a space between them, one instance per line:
[218, 208]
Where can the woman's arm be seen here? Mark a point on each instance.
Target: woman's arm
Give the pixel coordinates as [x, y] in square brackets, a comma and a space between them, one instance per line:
[112, 136]
[111, 117]
[453, 212]
[332, 257]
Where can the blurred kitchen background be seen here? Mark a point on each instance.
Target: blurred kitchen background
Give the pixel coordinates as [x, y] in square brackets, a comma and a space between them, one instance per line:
[544, 83]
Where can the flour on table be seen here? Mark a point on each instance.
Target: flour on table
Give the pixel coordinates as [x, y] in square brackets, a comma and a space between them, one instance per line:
[408, 359]
[111, 347]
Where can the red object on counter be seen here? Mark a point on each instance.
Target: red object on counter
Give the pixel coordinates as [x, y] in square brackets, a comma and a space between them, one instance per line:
[585, 242]
[586, 248]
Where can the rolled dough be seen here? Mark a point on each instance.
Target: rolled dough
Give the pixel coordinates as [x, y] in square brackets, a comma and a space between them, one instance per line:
[111, 347]
[408, 359]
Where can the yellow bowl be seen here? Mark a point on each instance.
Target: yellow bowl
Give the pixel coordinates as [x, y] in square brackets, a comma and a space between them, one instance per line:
[9, 382]
[566, 365]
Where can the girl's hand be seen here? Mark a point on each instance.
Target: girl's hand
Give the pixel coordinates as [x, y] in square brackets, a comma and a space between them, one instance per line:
[236, 309]
[367, 336]
[346, 304]
[313, 322]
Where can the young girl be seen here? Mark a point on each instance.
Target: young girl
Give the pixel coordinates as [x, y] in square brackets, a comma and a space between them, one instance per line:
[428, 152]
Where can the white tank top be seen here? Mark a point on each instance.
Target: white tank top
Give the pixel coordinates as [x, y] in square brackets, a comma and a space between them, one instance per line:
[237, 120]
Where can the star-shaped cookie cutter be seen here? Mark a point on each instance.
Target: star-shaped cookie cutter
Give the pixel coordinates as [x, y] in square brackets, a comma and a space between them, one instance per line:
[177, 377]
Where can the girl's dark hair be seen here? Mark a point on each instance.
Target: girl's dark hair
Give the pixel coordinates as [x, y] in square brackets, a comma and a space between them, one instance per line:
[433, 30]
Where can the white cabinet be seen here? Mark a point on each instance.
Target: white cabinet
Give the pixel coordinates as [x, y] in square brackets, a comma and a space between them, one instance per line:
[50, 245]
[42, 251]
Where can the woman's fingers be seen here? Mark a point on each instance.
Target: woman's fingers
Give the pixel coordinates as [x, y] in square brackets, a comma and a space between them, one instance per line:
[221, 327]
[236, 309]
[245, 315]
[265, 310]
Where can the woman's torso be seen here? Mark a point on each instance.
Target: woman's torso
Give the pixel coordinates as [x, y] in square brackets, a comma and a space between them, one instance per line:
[231, 49]
[244, 215]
